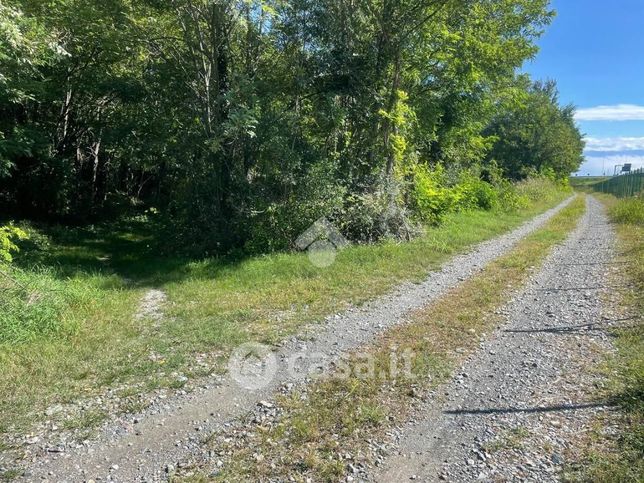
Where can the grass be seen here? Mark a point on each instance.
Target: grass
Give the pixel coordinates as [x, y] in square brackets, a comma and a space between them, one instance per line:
[509, 439]
[620, 457]
[628, 212]
[72, 332]
[585, 183]
[338, 415]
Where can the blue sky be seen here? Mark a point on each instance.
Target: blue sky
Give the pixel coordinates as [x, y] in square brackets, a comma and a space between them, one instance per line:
[595, 51]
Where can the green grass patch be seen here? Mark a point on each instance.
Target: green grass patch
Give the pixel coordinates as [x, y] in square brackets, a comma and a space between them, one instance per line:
[628, 211]
[586, 183]
[337, 415]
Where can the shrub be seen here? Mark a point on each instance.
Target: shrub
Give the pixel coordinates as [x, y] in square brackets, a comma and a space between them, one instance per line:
[431, 200]
[370, 217]
[472, 193]
[276, 224]
[9, 234]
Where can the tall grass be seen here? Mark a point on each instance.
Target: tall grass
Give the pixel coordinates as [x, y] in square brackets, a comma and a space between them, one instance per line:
[36, 303]
[628, 211]
[539, 190]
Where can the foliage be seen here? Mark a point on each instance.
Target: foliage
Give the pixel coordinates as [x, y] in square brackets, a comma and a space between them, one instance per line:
[9, 234]
[433, 195]
[537, 135]
[431, 199]
[242, 123]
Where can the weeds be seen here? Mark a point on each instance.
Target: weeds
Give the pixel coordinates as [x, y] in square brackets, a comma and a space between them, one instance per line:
[629, 211]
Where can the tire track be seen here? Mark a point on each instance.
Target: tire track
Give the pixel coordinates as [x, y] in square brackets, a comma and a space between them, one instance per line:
[146, 447]
[515, 408]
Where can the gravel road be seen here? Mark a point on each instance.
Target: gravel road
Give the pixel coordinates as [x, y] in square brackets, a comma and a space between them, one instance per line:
[146, 447]
[516, 407]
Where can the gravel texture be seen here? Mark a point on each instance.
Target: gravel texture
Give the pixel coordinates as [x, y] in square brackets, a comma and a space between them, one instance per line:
[518, 405]
[151, 306]
[147, 447]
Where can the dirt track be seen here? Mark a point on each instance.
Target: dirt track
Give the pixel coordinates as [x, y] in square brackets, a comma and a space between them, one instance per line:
[516, 407]
[146, 447]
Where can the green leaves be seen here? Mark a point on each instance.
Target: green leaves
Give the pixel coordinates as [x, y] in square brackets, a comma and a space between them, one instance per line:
[536, 135]
[225, 113]
[9, 234]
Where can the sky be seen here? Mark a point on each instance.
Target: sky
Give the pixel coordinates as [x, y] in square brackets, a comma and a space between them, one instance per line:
[595, 51]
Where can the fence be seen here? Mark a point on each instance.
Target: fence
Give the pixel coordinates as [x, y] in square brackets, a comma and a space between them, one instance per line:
[622, 186]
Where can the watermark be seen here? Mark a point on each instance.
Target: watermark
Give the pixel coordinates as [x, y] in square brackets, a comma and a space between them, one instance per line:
[255, 366]
[322, 241]
[252, 366]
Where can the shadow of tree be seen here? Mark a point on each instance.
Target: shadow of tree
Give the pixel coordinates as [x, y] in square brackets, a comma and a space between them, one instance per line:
[132, 250]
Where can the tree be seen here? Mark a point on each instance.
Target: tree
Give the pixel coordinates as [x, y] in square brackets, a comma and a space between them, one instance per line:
[537, 134]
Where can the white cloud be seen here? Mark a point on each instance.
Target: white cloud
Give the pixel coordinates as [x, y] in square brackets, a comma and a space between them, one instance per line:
[619, 112]
[615, 144]
[598, 165]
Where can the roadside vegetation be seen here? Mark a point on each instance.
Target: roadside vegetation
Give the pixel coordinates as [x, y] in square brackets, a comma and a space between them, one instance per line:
[586, 183]
[318, 425]
[619, 456]
[241, 122]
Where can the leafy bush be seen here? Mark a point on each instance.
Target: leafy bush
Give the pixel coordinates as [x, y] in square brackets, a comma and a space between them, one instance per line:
[431, 200]
[473, 193]
[8, 236]
[369, 217]
[276, 224]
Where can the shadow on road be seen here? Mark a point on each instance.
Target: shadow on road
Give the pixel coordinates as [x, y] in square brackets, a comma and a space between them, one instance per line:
[546, 409]
[576, 328]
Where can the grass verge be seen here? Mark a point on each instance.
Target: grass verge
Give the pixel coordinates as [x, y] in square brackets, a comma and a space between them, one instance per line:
[618, 456]
[74, 333]
[320, 424]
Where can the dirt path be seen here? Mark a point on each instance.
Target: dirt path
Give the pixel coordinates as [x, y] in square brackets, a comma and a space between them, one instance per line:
[517, 405]
[146, 447]
[151, 306]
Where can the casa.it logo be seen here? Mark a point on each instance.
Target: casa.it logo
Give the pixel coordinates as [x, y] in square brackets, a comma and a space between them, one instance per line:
[252, 366]
[321, 242]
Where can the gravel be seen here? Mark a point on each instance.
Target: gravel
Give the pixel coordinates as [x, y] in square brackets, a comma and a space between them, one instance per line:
[148, 446]
[519, 405]
[151, 306]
